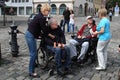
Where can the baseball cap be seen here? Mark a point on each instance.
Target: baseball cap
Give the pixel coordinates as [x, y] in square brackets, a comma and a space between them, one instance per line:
[88, 17]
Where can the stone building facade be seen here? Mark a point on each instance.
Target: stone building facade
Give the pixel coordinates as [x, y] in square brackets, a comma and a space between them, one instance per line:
[18, 7]
[83, 7]
[58, 6]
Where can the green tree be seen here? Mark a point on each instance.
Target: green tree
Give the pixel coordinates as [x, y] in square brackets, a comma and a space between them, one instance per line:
[112, 3]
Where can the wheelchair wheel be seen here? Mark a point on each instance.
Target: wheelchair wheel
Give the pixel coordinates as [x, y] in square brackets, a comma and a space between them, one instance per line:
[37, 58]
[50, 72]
[42, 56]
[45, 56]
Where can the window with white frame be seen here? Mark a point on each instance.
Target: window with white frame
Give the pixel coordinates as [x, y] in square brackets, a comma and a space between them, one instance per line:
[12, 1]
[27, 0]
[54, 9]
[81, 9]
[28, 10]
[23, 0]
[62, 8]
[19, 1]
[21, 10]
[15, 1]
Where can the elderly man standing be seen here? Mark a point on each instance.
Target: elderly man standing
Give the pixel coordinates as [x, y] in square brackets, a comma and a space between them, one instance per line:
[55, 41]
[82, 39]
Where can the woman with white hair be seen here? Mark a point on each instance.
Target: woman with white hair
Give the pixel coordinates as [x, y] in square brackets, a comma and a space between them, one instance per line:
[104, 35]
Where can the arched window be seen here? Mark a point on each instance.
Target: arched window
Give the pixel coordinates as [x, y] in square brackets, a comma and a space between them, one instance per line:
[91, 10]
[54, 9]
[62, 8]
[81, 9]
[86, 9]
[95, 10]
[38, 8]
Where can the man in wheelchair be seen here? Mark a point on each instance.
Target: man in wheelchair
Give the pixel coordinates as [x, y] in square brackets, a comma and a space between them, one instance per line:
[55, 41]
[82, 39]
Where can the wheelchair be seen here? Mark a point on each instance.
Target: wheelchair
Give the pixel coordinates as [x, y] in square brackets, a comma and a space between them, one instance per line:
[47, 57]
[91, 52]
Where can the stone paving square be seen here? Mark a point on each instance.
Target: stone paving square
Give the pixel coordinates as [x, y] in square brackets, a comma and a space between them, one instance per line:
[17, 68]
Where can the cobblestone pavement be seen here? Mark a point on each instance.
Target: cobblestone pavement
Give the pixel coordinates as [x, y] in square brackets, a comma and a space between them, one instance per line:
[17, 68]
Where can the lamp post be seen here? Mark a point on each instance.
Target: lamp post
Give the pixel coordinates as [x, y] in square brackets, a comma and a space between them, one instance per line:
[2, 4]
[4, 24]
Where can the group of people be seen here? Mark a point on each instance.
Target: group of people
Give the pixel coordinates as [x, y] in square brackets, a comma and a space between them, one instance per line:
[68, 18]
[55, 40]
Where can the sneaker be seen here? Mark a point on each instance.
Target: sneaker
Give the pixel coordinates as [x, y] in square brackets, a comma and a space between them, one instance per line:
[100, 68]
[34, 75]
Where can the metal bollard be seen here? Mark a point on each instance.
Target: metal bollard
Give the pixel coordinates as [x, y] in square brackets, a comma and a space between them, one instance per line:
[13, 41]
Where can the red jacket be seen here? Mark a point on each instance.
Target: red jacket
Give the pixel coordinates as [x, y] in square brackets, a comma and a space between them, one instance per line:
[80, 32]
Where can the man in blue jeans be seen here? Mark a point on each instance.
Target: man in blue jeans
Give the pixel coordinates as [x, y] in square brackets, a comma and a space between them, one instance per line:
[66, 15]
[55, 41]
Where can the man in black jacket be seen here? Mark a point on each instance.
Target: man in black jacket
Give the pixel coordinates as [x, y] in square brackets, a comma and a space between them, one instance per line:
[55, 41]
[66, 15]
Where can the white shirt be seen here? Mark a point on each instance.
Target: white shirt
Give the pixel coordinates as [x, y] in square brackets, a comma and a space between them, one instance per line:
[71, 19]
[110, 14]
